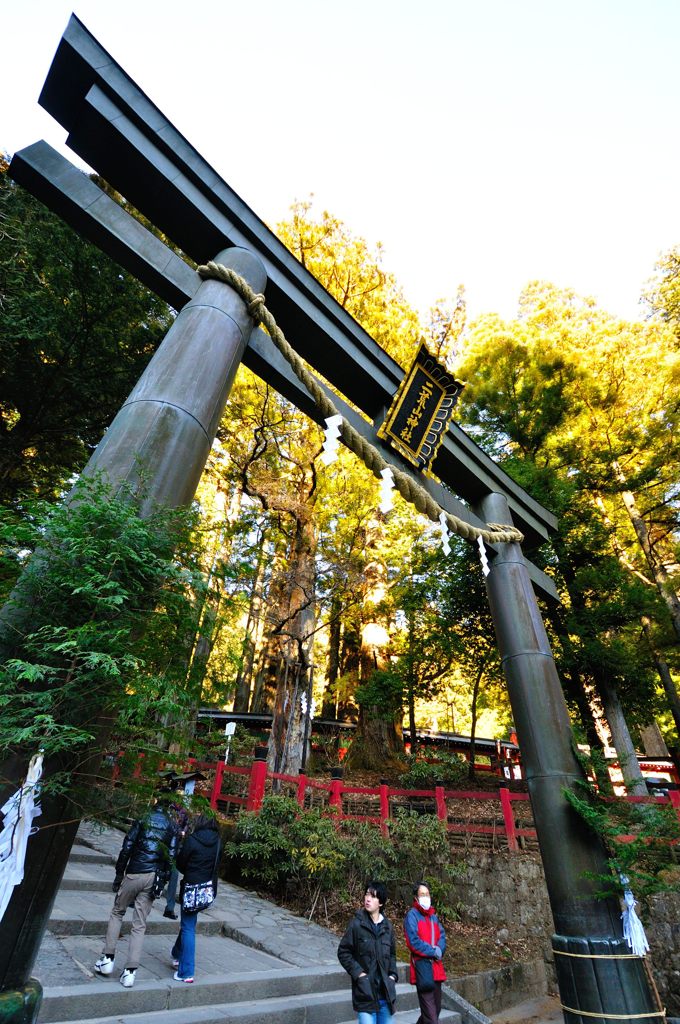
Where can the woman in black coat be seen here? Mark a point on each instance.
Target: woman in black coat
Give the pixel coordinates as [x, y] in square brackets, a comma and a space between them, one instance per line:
[198, 860]
[368, 952]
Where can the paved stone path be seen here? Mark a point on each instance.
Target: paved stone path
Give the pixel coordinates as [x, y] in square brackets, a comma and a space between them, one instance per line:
[241, 932]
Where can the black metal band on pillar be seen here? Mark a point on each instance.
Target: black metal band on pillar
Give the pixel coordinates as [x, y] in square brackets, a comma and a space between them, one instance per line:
[571, 853]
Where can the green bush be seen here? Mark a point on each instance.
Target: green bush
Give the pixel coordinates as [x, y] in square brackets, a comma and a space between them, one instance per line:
[319, 854]
[281, 843]
[447, 768]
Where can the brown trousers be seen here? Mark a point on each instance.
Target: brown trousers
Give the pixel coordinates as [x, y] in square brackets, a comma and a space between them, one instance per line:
[430, 1004]
[137, 889]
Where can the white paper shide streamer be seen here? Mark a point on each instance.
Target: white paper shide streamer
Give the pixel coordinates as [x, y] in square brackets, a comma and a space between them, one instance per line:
[386, 487]
[633, 931]
[483, 556]
[330, 445]
[446, 547]
[18, 814]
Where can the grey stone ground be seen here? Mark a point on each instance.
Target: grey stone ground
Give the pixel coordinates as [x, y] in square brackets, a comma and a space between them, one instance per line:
[545, 1010]
[240, 934]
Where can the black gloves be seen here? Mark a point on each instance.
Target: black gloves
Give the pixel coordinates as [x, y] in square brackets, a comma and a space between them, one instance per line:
[116, 883]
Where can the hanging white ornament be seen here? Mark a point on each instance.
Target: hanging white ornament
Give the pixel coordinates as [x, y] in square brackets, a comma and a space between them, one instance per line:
[633, 931]
[303, 706]
[386, 487]
[446, 547]
[17, 825]
[332, 439]
[483, 557]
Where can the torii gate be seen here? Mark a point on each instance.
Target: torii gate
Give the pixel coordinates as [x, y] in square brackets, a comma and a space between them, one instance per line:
[169, 422]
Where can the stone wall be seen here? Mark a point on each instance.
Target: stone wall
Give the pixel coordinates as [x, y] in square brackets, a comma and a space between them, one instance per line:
[492, 991]
[508, 891]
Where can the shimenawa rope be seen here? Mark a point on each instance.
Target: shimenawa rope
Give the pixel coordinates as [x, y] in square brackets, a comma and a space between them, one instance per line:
[407, 487]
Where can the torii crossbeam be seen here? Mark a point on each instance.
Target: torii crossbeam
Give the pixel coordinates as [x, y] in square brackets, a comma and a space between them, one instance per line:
[118, 131]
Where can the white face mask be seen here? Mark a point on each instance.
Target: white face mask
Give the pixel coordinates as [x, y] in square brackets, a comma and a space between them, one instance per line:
[425, 902]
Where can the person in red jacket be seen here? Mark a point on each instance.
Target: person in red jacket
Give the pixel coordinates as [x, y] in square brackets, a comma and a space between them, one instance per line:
[426, 940]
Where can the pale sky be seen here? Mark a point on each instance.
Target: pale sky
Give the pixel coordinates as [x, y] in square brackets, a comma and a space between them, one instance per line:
[483, 142]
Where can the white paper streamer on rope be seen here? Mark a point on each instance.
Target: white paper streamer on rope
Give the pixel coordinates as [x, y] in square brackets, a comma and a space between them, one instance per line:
[19, 812]
[446, 547]
[303, 706]
[482, 557]
[330, 445]
[386, 487]
[633, 931]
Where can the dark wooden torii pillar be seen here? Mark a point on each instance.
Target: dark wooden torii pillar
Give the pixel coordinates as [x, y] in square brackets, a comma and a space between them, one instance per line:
[116, 129]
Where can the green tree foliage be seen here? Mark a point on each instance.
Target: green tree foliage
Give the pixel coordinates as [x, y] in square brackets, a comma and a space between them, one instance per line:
[582, 410]
[75, 334]
[663, 293]
[108, 595]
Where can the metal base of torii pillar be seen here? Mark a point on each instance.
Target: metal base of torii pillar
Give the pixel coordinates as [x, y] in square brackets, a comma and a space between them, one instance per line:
[599, 980]
[157, 445]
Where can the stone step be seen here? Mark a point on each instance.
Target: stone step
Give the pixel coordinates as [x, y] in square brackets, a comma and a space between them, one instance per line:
[280, 1012]
[305, 996]
[86, 855]
[82, 1002]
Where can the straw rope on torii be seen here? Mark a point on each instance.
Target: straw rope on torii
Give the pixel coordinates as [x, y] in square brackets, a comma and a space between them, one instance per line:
[370, 456]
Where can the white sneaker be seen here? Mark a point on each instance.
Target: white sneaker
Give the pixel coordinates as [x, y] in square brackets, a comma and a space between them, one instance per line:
[104, 965]
[127, 978]
[186, 981]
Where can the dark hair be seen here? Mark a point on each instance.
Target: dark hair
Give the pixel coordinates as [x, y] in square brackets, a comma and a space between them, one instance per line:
[418, 885]
[204, 821]
[378, 890]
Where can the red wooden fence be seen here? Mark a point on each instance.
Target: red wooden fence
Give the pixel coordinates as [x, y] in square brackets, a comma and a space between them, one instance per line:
[233, 787]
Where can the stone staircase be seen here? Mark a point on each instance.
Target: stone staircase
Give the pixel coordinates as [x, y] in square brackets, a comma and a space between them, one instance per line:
[256, 962]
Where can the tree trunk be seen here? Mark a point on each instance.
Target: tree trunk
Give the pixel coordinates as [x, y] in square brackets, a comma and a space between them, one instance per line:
[664, 584]
[653, 741]
[286, 740]
[473, 724]
[628, 761]
[411, 689]
[378, 740]
[330, 702]
[270, 664]
[244, 676]
[665, 676]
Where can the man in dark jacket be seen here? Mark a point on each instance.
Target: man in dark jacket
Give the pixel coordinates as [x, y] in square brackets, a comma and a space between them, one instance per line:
[368, 952]
[142, 870]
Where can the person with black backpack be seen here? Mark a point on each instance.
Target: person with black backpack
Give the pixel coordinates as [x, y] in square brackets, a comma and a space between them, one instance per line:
[198, 860]
[142, 871]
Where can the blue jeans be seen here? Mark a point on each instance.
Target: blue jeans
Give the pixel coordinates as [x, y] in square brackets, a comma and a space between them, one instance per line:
[184, 949]
[383, 1016]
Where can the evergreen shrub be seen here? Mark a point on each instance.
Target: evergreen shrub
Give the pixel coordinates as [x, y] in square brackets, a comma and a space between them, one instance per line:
[447, 768]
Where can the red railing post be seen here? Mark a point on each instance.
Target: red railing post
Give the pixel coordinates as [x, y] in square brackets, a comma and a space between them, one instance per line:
[335, 798]
[508, 818]
[217, 784]
[138, 766]
[674, 797]
[258, 779]
[384, 806]
[440, 801]
[115, 771]
[302, 787]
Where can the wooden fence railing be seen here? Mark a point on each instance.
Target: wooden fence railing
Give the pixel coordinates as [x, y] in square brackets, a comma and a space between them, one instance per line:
[500, 817]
